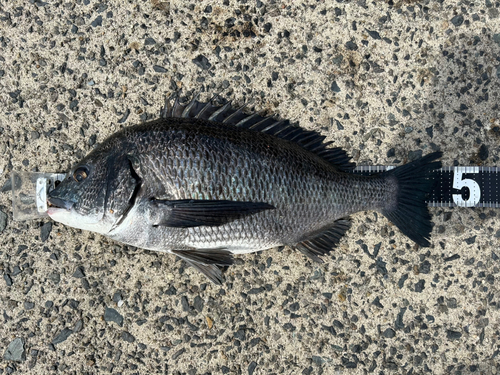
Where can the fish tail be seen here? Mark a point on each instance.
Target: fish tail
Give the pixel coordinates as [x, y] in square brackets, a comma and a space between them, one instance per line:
[408, 211]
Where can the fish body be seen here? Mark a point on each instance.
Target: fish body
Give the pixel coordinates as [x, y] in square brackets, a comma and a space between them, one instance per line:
[205, 182]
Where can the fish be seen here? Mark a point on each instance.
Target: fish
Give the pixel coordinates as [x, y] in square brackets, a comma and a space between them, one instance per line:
[207, 181]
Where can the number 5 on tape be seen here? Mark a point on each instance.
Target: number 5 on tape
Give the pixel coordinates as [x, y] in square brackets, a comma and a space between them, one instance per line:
[459, 182]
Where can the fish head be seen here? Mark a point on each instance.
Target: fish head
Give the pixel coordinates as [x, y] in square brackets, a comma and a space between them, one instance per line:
[96, 192]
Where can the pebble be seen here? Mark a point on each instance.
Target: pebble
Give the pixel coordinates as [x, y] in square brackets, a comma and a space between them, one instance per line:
[202, 62]
[335, 87]
[62, 336]
[198, 303]
[178, 353]
[128, 337]
[251, 367]
[159, 69]
[420, 286]
[29, 305]
[483, 152]
[414, 155]
[457, 20]
[45, 230]
[7, 186]
[389, 333]
[453, 335]
[470, 240]
[15, 351]
[373, 34]
[111, 315]
[79, 272]
[184, 303]
[97, 22]
[7, 279]
[78, 326]
[351, 46]
[3, 221]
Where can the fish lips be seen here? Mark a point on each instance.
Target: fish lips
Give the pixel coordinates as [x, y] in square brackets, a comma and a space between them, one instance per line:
[60, 203]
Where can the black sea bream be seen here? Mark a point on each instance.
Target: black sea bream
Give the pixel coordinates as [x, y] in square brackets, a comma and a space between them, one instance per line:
[205, 182]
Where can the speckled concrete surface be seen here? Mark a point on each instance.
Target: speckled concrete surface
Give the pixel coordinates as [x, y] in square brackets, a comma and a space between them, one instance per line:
[387, 80]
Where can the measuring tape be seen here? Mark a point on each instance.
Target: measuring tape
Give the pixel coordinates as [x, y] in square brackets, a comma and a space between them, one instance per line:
[457, 186]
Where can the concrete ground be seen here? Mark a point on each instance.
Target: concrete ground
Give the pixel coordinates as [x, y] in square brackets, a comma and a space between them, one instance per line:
[386, 80]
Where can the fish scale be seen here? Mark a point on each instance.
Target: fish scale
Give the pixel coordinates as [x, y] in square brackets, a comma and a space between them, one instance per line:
[206, 181]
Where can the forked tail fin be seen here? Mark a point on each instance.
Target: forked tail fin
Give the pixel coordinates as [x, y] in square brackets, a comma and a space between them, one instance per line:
[409, 212]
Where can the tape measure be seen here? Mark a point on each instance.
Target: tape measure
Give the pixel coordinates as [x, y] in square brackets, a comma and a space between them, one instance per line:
[457, 186]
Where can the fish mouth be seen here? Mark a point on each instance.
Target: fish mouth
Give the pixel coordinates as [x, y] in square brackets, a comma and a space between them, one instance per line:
[60, 203]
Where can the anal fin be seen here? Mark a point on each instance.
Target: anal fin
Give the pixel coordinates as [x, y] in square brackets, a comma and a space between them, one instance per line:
[207, 261]
[211, 271]
[324, 242]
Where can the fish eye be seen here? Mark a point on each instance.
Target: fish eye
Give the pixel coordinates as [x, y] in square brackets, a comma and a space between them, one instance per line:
[80, 174]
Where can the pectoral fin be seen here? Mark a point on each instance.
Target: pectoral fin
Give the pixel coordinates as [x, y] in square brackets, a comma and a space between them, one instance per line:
[194, 213]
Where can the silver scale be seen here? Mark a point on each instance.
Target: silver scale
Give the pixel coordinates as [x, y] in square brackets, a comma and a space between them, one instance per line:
[454, 186]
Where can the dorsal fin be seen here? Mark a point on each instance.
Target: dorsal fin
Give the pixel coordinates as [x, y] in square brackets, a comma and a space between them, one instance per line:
[227, 114]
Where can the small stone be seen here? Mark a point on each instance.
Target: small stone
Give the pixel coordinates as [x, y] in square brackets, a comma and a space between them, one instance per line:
[457, 20]
[251, 367]
[198, 303]
[15, 351]
[391, 153]
[430, 131]
[97, 22]
[377, 303]
[414, 155]
[451, 258]
[210, 322]
[256, 290]
[111, 315]
[496, 39]
[373, 34]
[3, 221]
[62, 336]
[178, 354]
[7, 279]
[78, 326]
[126, 336]
[318, 360]
[7, 186]
[149, 42]
[184, 303]
[29, 305]
[240, 335]
[335, 87]
[351, 46]
[202, 62]
[124, 117]
[483, 152]
[399, 324]
[389, 333]
[79, 272]
[159, 69]
[470, 240]
[425, 267]
[45, 230]
[117, 297]
[453, 335]
[420, 286]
